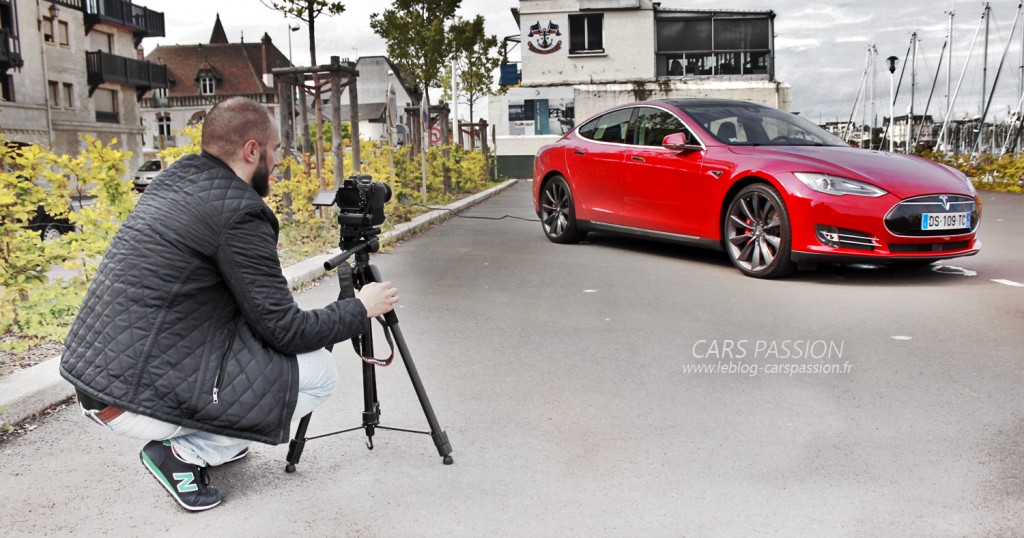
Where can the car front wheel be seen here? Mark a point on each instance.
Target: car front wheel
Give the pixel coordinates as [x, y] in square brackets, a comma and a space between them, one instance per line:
[757, 233]
[558, 212]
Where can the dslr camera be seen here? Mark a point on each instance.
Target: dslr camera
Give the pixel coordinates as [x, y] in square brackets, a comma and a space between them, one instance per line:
[360, 200]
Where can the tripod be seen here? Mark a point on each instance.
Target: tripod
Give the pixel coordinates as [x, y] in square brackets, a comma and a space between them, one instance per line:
[360, 242]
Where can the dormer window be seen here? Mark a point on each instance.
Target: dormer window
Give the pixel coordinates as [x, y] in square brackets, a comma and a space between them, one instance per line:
[207, 85]
[207, 79]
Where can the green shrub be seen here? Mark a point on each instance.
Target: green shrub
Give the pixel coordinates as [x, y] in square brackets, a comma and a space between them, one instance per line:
[987, 172]
[36, 310]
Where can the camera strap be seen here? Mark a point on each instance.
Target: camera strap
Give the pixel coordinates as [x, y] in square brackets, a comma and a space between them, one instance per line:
[391, 344]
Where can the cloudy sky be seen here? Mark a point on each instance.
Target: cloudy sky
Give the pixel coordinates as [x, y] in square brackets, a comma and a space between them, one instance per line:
[821, 45]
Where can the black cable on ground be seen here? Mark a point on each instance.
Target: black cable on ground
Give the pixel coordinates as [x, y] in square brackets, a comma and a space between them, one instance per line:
[466, 217]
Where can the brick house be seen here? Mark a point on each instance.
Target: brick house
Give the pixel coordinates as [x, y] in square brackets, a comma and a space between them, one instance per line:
[203, 75]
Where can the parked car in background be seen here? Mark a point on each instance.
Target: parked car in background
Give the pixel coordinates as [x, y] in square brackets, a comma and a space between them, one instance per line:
[769, 188]
[146, 173]
[48, 226]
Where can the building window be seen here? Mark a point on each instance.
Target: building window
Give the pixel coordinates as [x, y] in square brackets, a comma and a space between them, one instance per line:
[54, 94]
[106, 105]
[708, 44]
[160, 93]
[207, 85]
[69, 95]
[101, 41]
[62, 34]
[8, 88]
[586, 33]
[163, 124]
[47, 30]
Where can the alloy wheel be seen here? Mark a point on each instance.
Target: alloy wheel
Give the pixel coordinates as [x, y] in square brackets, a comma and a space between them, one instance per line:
[555, 207]
[756, 233]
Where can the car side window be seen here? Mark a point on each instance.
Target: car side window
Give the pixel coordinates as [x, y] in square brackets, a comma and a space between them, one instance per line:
[611, 127]
[654, 124]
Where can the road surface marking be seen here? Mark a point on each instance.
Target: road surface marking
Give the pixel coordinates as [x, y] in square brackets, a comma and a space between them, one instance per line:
[1008, 282]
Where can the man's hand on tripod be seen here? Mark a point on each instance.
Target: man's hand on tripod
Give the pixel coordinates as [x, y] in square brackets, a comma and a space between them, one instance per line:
[379, 298]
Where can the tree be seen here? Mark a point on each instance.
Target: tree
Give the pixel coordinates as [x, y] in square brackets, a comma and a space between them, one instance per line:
[476, 59]
[307, 11]
[417, 37]
[420, 43]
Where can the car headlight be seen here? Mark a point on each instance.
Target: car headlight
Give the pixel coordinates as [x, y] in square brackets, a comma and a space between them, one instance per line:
[838, 186]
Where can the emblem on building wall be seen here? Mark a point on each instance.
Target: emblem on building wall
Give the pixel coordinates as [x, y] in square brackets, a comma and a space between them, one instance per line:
[541, 40]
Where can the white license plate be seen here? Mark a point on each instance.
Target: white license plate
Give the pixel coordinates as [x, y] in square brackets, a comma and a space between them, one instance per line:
[945, 221]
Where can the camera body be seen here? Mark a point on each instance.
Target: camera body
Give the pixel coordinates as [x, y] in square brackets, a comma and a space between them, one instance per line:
[360, 200]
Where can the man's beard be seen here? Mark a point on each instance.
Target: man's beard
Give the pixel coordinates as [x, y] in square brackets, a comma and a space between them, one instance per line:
[261, 177]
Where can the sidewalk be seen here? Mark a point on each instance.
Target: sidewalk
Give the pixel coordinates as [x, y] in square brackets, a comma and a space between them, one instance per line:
[30, 391]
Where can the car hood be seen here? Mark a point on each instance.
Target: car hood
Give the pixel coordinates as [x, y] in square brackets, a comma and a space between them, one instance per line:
[899, 174]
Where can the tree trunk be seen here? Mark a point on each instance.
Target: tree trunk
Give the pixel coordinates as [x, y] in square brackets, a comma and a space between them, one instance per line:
[317, 103]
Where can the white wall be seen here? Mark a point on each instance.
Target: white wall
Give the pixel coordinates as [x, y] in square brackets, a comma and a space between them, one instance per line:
[629, 45]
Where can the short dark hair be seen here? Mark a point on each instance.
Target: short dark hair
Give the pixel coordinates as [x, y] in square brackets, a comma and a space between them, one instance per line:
[233, 122]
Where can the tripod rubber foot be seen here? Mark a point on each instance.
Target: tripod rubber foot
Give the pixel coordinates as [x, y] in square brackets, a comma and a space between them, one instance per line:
[290, 468]
[448, 460]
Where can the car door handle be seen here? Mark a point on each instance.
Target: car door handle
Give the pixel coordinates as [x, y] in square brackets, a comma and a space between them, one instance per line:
[638, 159]
[580, 151]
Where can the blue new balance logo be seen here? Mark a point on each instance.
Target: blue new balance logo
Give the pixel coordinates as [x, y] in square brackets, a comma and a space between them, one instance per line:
[186, 482]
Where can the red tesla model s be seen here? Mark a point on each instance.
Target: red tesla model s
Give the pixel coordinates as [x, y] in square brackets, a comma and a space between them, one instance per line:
[769, 188]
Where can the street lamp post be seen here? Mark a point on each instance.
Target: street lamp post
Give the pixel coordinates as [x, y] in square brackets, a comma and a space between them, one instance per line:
[892, 100]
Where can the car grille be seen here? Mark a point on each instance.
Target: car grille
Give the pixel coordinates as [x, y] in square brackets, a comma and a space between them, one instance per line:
[929, 247]
[905, 218]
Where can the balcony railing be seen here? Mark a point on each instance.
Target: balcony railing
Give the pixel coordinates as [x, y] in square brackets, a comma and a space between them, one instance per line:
[142, 21]
[174, 101]
[168, 141]
[10, 51]
[103, 68]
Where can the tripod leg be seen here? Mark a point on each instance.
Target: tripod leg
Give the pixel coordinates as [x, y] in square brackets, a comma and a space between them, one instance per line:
[297, 444]
[444, 448]
[371, 406]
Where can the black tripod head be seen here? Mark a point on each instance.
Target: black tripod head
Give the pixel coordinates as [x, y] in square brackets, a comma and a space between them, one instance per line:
[358, 241]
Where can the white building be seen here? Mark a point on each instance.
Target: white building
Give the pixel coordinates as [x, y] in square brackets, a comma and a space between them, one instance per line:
[377, 77]
[580, 57]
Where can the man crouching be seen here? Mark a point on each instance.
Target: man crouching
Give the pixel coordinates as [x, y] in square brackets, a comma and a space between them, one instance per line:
[189, 336]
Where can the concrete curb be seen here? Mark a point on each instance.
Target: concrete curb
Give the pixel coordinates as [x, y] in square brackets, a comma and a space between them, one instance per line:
[27, 392]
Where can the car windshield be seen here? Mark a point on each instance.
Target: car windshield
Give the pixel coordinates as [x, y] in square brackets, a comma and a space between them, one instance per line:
[150, 166]
[754, 125]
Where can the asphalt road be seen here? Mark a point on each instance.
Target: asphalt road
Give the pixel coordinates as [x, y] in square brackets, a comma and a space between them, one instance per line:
[865, 402]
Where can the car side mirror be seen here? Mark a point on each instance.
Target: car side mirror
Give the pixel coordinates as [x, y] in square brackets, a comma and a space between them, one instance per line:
[681, 142]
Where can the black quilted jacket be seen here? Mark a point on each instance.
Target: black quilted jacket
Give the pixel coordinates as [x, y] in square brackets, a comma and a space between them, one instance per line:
[189, 319]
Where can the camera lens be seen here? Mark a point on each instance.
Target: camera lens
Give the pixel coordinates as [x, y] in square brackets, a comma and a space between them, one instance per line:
[385, 189]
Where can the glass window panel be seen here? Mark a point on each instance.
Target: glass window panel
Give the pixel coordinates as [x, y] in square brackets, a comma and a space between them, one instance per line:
[611, 127]
[586, 33]
[654, 124]
[735, 34]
